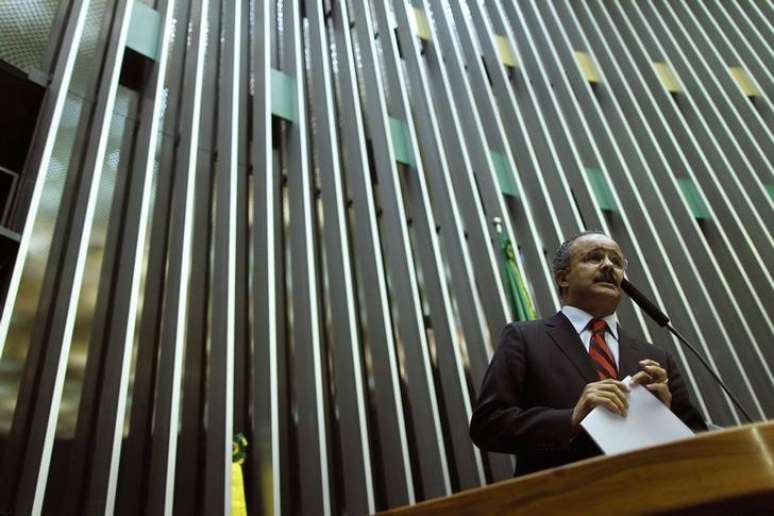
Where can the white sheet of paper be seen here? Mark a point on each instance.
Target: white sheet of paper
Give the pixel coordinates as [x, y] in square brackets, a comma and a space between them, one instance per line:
[647, 423]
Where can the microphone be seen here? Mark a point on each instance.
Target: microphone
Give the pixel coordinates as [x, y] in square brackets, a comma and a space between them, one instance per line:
[643, 302]
[662, 319]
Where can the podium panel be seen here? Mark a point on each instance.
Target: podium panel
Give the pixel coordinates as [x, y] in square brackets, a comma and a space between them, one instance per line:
[714, 472]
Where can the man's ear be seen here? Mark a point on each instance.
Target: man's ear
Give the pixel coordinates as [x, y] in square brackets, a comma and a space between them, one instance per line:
[561, 278]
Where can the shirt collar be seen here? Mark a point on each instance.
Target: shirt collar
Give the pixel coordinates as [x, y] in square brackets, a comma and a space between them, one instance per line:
[580, 319]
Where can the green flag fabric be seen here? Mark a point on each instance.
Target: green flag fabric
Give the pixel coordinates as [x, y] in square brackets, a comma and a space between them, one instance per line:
[521, 305]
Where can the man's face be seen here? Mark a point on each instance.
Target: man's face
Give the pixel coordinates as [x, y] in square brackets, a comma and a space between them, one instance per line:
[593, 280]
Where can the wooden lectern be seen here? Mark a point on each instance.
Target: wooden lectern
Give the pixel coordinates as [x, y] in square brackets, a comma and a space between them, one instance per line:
[723, 472]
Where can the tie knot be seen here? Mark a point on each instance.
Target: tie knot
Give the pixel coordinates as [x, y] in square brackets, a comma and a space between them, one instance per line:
[598, 326]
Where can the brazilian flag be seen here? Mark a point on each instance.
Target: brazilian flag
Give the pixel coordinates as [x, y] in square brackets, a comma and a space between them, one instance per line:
[238, 453]
[521, 305]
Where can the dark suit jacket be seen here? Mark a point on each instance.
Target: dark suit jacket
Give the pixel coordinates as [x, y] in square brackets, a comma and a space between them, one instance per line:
[535, 378]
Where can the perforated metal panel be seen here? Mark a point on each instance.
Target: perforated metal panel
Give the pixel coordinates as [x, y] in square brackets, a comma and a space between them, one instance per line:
[25, 27]
[328, 267]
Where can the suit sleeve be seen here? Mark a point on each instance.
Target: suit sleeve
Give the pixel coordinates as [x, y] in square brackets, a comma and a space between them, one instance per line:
[501, 420]
[681, 399]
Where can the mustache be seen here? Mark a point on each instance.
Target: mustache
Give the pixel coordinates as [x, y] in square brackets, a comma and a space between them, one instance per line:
[607, 277]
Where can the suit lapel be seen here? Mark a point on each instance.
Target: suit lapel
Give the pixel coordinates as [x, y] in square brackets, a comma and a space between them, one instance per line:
[563, 334]
[629, 355]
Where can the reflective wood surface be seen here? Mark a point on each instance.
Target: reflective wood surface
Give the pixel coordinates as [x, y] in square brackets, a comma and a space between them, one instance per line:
[713, 472]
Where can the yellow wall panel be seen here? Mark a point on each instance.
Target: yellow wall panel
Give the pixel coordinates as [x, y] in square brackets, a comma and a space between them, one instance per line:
[744, 81]
[667, 77]
[506, 53]
[421, 25]
[587, 66]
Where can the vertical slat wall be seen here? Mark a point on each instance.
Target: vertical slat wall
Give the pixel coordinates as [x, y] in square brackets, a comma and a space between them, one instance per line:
[300, 244]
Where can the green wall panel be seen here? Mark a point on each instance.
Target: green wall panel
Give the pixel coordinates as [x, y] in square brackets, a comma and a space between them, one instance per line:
[144, 30]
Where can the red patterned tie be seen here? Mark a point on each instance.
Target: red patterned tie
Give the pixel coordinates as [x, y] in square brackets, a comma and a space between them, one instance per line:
[600, 353]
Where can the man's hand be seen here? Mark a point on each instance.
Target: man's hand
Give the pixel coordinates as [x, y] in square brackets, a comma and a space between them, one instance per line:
[654, 378]
[607, 393]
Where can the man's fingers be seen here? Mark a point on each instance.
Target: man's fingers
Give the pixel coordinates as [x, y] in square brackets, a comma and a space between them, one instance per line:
[608, 393]
[614, 408]
[651, 372]
[615, 402]
[621, 385]
[662, 391]
[657, 373]
[642, 378]
[609, 400]
[619, 391]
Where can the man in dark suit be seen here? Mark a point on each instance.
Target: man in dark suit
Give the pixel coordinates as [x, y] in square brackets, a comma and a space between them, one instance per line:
[547, 375]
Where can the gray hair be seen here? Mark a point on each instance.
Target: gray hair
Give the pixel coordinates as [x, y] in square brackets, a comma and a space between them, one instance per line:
[563, 257]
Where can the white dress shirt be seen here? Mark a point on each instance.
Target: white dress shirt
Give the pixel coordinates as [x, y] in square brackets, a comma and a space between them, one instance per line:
[580, 321]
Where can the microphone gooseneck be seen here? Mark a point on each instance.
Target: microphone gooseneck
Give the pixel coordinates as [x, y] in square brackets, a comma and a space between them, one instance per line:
[643, 302]
[663, 320]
